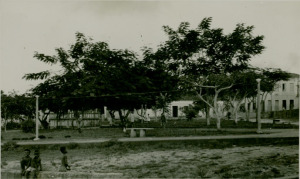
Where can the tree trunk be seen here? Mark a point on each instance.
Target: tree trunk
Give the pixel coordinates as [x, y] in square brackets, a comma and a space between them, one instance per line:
[246, 111]
[216, 111]
[235, 111]
[123, 121]
[58, 118]
[43, 121]
[112, 115]
[5, 121]
[155, 113]
[143, 112]
[207, 116]
[79, 120]
[218, 123]
[72, 123]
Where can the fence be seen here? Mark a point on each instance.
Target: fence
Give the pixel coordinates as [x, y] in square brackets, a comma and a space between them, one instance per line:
[93, 119]
[283, 114]
[69, 123]
[91, 115]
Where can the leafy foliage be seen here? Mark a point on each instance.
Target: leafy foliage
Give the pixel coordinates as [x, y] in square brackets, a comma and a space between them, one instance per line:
[28, 126]
[94, 76]
[205, 59]
[190, 112]
[15, 106]
[13, 125]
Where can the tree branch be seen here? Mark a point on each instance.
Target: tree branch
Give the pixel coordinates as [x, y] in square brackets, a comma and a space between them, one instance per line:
[221, 89]
[201, 97]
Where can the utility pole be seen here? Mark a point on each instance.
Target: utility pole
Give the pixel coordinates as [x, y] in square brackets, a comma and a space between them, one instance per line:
[36, 118]
[258, 107]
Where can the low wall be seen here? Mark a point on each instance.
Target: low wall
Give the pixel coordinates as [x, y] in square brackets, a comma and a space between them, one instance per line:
[67, 123]
[15, 174]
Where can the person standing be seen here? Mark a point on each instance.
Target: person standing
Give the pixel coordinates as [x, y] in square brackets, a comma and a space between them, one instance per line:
[26, 163]
[36, 164]
[64, 161]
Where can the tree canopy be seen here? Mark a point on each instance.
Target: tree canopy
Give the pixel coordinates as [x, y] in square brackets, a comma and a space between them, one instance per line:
[95, 76]
[205, 59]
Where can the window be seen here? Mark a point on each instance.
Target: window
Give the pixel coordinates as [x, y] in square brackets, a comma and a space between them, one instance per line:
[283, 104]
[292, 87]
[269, 105]
[283, 87]
[276, 87]
[254, 106]
[276, 105]
[291, 104]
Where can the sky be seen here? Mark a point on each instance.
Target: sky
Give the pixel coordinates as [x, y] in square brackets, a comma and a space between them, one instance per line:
[28, 26]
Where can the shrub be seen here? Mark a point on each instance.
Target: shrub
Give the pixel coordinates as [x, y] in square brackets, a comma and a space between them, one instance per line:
[42, 137]
[190, 112]
[28, 126]
[10, 145]
[73, 145]
[12, 125]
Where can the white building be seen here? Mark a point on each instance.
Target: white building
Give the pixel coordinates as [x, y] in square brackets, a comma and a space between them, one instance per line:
[284, 97]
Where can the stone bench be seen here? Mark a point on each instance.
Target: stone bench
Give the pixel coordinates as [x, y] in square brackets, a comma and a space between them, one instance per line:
[142, 131]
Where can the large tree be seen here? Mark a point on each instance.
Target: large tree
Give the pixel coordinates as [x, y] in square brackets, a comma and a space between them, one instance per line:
[245, 86]
[206, 58]
[164, 80]
[94, 76]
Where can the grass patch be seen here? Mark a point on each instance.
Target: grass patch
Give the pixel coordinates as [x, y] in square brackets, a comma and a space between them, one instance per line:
[9, 146]
[174, 128]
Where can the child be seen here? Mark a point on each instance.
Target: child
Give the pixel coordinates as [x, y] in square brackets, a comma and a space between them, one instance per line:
[64, 161]
[25, 164]
[36, 164]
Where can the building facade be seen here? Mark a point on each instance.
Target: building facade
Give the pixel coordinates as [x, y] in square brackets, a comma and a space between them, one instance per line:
[284, 97]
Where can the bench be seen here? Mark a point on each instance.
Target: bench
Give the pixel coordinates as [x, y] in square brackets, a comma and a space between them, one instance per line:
[275, 121]
[142, 131]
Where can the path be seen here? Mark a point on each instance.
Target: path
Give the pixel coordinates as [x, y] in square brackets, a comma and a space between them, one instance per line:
[268, 133]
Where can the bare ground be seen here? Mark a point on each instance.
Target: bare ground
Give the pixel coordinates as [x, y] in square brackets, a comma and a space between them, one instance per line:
[189, 162]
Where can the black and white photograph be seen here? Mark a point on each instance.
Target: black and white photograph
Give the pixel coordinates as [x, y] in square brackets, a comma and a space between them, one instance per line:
[149, 89]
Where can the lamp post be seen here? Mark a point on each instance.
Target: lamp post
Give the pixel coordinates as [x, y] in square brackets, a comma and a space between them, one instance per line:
[258, 106]
[36, 118]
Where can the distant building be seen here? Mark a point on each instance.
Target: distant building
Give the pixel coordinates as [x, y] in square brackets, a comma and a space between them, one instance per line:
[284, 97]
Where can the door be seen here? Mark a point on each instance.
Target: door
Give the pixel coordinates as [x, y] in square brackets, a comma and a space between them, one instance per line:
[175, 111]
